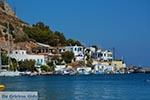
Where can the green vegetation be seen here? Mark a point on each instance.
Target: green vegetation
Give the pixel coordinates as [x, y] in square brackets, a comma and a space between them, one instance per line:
[22, 38]
[57, 60]
[4, 59]
[40, 32]
[51, 66]
[14, 66]
[72, 42]
[27, 65]
[45, 68]
[89, 61]
[67, 56]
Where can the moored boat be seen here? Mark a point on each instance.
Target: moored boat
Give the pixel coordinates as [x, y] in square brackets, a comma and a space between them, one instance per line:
[9, 73]
[2, 87]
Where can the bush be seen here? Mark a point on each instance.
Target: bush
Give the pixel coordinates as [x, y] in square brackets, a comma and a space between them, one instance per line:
[45, 68]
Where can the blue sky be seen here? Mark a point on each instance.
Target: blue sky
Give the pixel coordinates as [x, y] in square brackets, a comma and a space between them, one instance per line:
[120, 24]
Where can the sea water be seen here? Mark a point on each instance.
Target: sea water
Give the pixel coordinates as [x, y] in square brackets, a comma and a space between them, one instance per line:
[83, 87]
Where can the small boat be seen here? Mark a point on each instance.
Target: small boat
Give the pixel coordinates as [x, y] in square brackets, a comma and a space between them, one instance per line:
[9, 73]
[2, 87]
[83, 71]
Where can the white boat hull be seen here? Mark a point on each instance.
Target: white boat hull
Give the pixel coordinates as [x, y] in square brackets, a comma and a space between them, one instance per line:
[9, 73]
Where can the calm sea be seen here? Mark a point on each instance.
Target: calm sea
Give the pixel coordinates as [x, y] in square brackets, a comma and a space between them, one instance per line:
[88, 87]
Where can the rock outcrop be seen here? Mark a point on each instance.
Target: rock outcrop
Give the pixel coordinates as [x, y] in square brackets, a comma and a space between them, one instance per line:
[7, 15]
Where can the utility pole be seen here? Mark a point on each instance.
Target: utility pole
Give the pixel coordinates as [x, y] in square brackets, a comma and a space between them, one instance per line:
[114, 53]
[0, 58]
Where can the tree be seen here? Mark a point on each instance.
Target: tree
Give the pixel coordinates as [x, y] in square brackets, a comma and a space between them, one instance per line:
[45, 68]
[58, 61]
[43, 34]
[89, 63]
[60, 37]
[22, 38]
[4, 59]
[39, 32]
[42, 26]
[50, 63]
[27, 65]
[71, 42]
[78, 43]
[67, 56]
[14, 64]
[51, 66]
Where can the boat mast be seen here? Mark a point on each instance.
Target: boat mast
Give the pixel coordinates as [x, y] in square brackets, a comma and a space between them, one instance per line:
[0, 59]
[8, 44]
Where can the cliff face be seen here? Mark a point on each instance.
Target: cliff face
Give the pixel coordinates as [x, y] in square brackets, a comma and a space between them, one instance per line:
[8, 15]
[16, 25]
[4, 7]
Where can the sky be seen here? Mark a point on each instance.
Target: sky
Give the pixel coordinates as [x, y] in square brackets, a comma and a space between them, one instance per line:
[120, 24]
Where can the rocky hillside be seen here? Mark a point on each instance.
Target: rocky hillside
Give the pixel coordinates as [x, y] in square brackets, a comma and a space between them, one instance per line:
[7, 15]
[16, 25]
[24, 36]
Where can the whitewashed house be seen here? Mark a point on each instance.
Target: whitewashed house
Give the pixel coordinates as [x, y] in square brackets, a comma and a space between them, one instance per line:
[89, 50]
[21, 55]
[101, 69]
[77, 50]
[103, 55]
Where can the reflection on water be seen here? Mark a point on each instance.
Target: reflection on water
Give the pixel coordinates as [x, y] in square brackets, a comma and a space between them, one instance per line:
[92, 87]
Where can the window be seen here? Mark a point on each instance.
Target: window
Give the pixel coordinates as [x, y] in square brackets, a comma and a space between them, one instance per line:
[98, 55]
[101, 54]
[104, 54]
[80, 49]
[109, 55]
[75, 49]
[71, 49]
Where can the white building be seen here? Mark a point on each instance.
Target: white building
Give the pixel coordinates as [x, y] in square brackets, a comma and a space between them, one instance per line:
[100, 68]
[77, 50]
[89, 50]
[21, 55]
[107, 55]
[103, 55]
